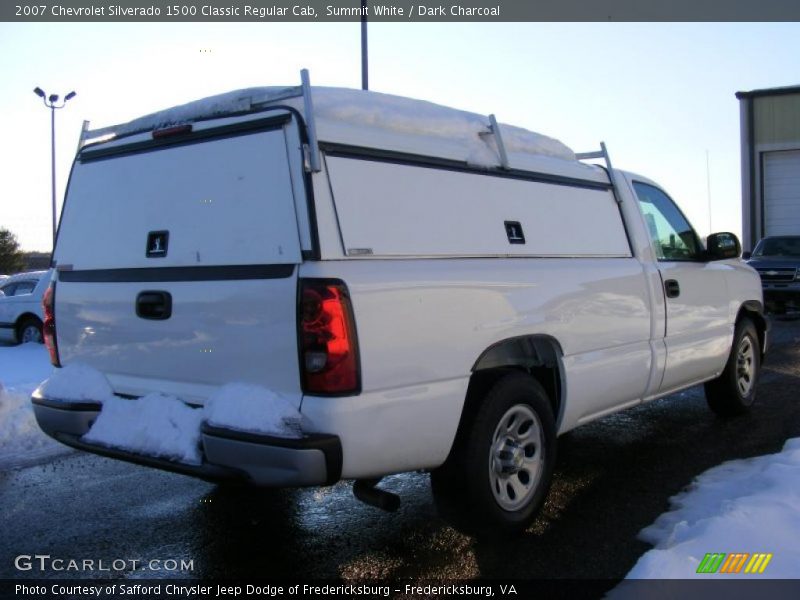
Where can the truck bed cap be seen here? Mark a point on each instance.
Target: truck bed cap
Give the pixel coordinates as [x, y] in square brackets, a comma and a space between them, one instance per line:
[375, 120]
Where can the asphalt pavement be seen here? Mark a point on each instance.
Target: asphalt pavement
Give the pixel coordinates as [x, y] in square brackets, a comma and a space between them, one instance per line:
[613, 478]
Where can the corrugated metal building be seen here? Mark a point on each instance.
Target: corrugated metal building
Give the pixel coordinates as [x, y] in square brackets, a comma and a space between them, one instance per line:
[770, 125]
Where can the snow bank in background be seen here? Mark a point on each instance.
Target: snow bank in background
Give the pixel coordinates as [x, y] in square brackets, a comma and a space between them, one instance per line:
[372, 110]
[23, 365]
[77, 383]
[253, 409]
[155, 425]
[750, 506]
[22, 368]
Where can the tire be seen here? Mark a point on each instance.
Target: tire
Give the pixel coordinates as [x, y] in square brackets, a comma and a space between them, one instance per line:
[30, 330]
[499, 471]
[734, 391]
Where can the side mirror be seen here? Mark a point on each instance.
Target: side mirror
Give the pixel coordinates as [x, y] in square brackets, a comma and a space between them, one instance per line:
[721, 246]
[747, 254]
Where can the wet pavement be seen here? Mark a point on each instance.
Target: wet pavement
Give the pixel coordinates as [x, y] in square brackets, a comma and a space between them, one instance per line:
[613, 478]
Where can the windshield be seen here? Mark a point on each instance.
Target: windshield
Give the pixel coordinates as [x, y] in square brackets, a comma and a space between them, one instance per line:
[778, 246]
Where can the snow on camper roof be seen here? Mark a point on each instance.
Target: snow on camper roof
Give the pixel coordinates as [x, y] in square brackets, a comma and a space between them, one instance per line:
[370, 119]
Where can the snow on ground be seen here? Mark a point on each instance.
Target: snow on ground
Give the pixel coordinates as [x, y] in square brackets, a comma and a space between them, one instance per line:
[742, 506]
[22, 369]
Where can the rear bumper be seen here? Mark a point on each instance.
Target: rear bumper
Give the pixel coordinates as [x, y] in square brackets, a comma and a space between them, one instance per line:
[262, 460]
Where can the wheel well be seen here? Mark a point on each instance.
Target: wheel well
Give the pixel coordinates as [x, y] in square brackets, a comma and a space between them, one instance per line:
[536, 355]
[25, 316]
[754, 313]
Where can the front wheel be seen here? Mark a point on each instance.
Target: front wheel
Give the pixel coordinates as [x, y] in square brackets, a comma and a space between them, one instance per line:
[734, 391]
[499, 471]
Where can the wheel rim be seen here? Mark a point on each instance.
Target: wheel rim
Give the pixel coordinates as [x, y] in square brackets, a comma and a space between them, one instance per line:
[31, 334]
[745, 366]
[516, 457]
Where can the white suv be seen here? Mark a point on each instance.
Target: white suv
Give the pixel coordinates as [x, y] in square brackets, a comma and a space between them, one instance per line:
[21, 306]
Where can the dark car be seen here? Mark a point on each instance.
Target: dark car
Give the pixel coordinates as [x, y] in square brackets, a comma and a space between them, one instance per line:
[777, 260]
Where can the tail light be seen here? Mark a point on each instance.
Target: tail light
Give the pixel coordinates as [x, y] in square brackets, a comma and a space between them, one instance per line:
[49, 325]
[328, 345]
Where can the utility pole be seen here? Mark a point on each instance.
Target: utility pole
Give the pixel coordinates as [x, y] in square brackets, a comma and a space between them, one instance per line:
[708, 191]
[364, 58]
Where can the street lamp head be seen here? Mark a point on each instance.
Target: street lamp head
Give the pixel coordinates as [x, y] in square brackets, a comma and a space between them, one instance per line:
[39, 92]
[53, 98]
[69, 96]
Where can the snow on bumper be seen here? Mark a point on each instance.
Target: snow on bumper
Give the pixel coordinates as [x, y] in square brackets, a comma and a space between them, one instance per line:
[262, 459]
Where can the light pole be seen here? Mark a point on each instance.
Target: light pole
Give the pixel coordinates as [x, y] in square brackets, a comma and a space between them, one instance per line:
[364, 52]
[51, 103]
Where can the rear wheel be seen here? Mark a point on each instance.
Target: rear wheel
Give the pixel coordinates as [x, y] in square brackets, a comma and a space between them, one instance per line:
[499, 471]
[29, 330]
[734, 391]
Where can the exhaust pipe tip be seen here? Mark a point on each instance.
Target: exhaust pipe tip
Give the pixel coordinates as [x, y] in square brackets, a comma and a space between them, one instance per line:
[365, 491]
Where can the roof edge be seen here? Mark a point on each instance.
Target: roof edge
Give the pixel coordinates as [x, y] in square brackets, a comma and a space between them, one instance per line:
[778, 91]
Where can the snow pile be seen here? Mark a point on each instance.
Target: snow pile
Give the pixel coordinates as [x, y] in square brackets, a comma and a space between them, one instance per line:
[213, 106]
[743, 506]
[164, 426]
[76, 383]
[253, 409]
[364, 116]
[154, 425]
[420, 118]
[22, 368]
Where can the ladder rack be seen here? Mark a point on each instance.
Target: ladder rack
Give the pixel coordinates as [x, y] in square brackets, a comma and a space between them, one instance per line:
[494, 129]
[245, 105]
[612, 176]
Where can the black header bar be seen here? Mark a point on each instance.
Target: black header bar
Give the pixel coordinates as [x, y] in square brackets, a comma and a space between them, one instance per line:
[397, 10]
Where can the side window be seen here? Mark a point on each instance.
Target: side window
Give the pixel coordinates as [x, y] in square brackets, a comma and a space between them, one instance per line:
[8, 289]
[24, 287]
[670, 233]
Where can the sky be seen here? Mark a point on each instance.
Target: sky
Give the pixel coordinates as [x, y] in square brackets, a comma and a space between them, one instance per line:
[661, 95]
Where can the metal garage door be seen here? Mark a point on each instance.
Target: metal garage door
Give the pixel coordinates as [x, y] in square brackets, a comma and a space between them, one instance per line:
[782, 193]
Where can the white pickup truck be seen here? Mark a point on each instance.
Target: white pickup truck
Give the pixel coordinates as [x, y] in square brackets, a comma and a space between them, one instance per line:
[295, 286]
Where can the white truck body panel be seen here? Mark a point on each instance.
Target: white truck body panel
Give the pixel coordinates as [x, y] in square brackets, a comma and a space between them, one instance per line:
[401, 210]
[236, 210]
[225, 201]
[434, 280]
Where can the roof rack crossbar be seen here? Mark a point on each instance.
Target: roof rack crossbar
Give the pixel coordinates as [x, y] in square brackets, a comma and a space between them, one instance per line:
[311, 126]
[612, 176]
[494, 129]
[501, 147]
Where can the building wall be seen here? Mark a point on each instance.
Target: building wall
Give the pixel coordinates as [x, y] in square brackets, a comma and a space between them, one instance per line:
[770, 122]
[777, 119]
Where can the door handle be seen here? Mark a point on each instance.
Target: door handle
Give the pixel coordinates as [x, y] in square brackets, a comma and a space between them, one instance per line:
[154, 305]
[672, 288]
